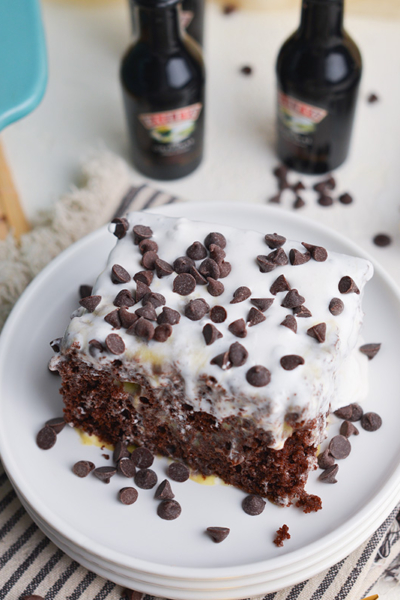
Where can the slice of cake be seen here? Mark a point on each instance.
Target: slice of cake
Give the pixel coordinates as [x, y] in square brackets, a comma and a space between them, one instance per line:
[221, 347]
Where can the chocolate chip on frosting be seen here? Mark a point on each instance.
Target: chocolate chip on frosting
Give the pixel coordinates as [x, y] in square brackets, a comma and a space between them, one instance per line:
[147, 312]
[302, 311]
[183, 264]
[273, 240]
[348, 286]
[154, 298]
[318, 332]
[218, 534]
[141, 232]
[163, 269]
[196, 251]
[253, 505]
[200, 280]
[217, 253]
[265, 265]
[292, 299]
[169, 316]
[258, 376]
[291, 361]
[278, 257]
[336, 307]
[318, 253]
[148, 246]
[262, 304]
[241, 294]
[238, 328]
[298, 258]
[371, 421]
[196, 309]
[215, 288]
[143, 329]
[215, 238]
[85, 290]
[141, 290]
[145, 277]
[115, 344]
[56, 344]
[149, 260]
[290, 322]
[370, 350]
[119, 274]
[121, 227]
[124, 298]
[280, 285]
[169, 510]
[113, 319]
[237, 354]
[211, 334]
[95, 345]
[164, 491]
[90, 302]
[329, 475]
[224, 269]
[339, 447]
[222, 361]
[162, 332]
[255, 317]
[209, 268]
[127, 318]
[218, 314]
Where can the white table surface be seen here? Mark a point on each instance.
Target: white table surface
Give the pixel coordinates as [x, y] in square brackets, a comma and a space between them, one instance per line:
[82, 110]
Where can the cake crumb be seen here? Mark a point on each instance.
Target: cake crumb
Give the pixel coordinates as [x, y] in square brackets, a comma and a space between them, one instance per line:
[281, 535]
[309, 503]
[106, 456]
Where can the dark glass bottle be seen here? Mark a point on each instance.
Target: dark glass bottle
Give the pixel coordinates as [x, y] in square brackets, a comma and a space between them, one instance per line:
[319, 71]
[193, 18]
[163, 82]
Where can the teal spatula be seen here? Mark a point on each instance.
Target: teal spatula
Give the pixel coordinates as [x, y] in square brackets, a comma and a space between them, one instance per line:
[23, 78]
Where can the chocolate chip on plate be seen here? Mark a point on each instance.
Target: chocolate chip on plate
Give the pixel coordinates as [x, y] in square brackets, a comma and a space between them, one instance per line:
[196, 251]
[215, 288]
[218, 534]
[280, 285]
[240, 295]
[82, 468]
[104, 473]
[339, 447]
[215, 238]
[128, 495]
[115, 344]
[218, 314]
[290, 322]
[255, 317]
[275, 199]
[238, 328]
[258, 376]
[292, 299]
[142, 457]
[370, 350]
[146, 479]
[169, 510]
[178, 472]
[211, 334]
[325, 200]
[318, 332]
[299, 202]
[325, 459]
[372, 98]
[119, 274]
[90, 302]
[291, 361]
[196, 309]
[329, 475]
[336, 307]
[237, 354]
[57, 424]
[162, 332]
[348, 286]
[345, 198]
[246, 70]
[46, 438]
[382, 240]
[164, 491]
[262, 304]
[163, 269]
[253, 505]
[297, 187]
[274, 240]
[126, 467]
[371, 421]
[347, 429]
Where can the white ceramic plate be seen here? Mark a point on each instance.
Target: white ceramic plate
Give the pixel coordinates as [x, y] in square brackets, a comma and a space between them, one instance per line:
[85, 515]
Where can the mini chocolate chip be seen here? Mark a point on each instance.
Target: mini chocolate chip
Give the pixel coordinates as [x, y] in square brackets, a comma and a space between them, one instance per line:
[200, 280]
[255, 317]
[120, 451]
[128, 495]
[325, 459]
[196, 251]
[119, 274]
[218, 314]
[127, 318]
[292, 299]
[126, 467]
[124, 298]
[274, 240]
[163, 269]
[146, 479]
[372, 98]
[262, 304]
[94, 345]
[371, 421]
[345, 198]
[196, 309]
[82, 468]
[153, 298]
[347, 429]
[113, 319]
[325, 200]
[184, 284]
[348, 286]
[246, 70]
[145, 277]
[209, 268]
[218, 534]
[382, 240]
[241, 294]
[164, 491]
[299, 202]
[339, 447]
[169, 510]
[318, 253]
[57, 424]
[215, 238]
[215, 288]
[238, 328]
[280, 285]
[149, 260]
[281, 171]
[148, 246]
[143, 329]
[291, 361]
[298, 258]
[336, 307]
[46, 438]
[318, 332]
[121, 227]
[217, 253]
[237, 354]
[211, 334]
[168, 315]
[253, 505]
[85, 290]
[370, 350]
[258, 376]
[302, 311]
[162, 332]
[297, 187]
[177, 471]
[142, 457]
[222, 361]
[224, 269]
[115, 344]
[329, 475]
[104, 473]
[141, 232]
[183, 264]
[90, 302]
[290, 322]
[265, 265]
[275, 199]
[147, 312]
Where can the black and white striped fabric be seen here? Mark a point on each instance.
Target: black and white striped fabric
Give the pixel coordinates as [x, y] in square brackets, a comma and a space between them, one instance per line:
[31, 564]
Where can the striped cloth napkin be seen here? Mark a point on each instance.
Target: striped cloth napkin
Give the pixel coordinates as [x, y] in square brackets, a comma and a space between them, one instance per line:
[29, 562]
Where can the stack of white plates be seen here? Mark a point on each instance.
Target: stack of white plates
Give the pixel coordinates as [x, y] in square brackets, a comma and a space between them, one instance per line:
[131, 545]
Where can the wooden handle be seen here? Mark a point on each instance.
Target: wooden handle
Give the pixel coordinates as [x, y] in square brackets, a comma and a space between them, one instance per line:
[12, 217]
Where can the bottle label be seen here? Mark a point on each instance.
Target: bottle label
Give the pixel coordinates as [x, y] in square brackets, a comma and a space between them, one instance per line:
[172, 131]
[298, 120]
